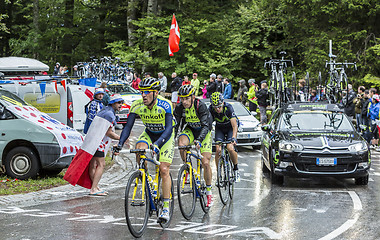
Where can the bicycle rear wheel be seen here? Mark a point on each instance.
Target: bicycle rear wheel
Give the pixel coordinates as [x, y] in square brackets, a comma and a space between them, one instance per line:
[223, 181]
[186, 192]
[202, 193]
[136, 205]
[161, 201]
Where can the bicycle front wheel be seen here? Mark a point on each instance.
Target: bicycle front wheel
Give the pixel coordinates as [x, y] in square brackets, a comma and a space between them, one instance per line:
[186, 191]
[223, 181]
[137, 205]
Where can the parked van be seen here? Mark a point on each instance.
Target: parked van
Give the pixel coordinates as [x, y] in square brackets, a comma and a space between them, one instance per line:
[32, 141]
[65, 105]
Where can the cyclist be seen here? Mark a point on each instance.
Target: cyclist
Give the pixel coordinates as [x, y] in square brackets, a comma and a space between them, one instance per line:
[157, 115]
[225, 129]
[197, 128]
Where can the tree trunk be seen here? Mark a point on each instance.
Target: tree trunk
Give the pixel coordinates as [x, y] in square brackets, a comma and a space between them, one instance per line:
[131, 15]
[36, 18]
[102, 30]
[67, 46]
[152, 7]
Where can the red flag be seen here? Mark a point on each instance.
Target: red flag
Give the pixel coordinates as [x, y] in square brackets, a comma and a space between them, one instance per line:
[174, 37]
[63, 82]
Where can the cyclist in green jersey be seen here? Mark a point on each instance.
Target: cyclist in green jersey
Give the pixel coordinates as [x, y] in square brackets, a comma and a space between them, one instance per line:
[196, 120]
[156, 113]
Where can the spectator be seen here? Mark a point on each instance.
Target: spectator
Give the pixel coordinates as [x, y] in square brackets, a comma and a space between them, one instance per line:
[174, 86]
[358, 103]
[164, 83]
[204, 90]
[349, 108]
[372, 91]
[136, 81]
[262, 100]
[75, 71]
[252, 95]
[219, 84]
[186, 81]
[241, 96]
[56, 68]
[106, 97]
[373, 114]
[365, 120]
[301, 95]
[211, 86]
[228, 93]
[195, 82]
[129, 76]
[92, 108]
[147, 75]
[313, 96]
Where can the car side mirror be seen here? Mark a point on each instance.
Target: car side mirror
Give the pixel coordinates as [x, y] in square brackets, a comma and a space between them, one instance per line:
[253, 113]
[266, 128]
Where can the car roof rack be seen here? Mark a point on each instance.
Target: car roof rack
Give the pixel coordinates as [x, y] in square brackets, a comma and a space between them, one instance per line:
[312, 106]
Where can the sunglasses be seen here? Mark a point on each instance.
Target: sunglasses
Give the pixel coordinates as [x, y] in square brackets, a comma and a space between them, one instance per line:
[217, 107]
[145, 92]
[120, 102]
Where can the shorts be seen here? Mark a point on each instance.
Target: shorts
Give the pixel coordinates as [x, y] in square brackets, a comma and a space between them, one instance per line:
[223, 134]
[175, 97]
[206, 143]
[166, 151]
[98, 154]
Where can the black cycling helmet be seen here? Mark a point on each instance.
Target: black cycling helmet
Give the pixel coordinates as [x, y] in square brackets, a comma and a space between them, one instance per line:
[150, 84]
[216, 99]
[186, 90]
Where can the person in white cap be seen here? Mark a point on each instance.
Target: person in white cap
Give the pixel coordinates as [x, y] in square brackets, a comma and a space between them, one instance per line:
[86, 169]
[93, 107]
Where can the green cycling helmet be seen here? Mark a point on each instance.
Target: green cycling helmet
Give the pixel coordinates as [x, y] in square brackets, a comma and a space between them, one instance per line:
[216, 99]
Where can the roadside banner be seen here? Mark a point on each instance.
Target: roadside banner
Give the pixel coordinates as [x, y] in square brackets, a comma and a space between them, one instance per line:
[43, 88]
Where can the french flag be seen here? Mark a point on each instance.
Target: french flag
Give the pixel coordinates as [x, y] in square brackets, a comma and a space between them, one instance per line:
[77, 173]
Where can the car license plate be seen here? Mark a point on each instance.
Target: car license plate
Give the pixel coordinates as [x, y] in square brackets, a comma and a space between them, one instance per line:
[122, 115]
[326, 161]
[243, 136]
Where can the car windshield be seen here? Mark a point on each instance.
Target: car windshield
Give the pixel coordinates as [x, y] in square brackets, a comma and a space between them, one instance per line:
[122, 89]
[318, 121]
[240, 110]
[10, 98]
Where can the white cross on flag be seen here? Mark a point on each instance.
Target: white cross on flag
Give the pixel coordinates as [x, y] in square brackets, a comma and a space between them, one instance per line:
[174, 37]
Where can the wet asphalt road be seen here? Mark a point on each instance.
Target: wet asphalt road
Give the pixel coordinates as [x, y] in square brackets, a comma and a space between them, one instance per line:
[300, 209]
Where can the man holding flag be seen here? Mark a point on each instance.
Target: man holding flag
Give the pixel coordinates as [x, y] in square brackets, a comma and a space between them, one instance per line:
[87, 167]
[174, 37]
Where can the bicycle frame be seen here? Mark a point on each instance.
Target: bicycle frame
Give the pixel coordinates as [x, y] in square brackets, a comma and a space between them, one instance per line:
[197, 173]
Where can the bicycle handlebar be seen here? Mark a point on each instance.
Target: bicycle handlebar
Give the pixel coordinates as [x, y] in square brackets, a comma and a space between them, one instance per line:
[143, 151]
[188, 147]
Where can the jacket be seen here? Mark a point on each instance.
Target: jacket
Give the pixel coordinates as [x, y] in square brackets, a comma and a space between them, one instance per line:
[252, 96]
[228, 92]
[262, 97]
[374, 111]
[211, 88]
[350, 106]
[202, 113]
[175, 84]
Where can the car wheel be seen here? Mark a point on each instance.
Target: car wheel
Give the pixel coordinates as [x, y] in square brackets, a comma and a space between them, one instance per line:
[264, 167]
[22, 163]
[276, 179]
[362, 180]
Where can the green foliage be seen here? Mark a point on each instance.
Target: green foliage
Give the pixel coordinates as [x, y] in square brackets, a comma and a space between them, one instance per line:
[228, 37]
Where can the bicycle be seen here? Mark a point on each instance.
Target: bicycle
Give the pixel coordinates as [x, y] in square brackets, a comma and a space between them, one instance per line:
[143, 195]
[225, 174]
[190, 184]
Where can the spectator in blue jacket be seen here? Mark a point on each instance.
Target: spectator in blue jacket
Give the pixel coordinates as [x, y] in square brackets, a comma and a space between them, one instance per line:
[92, 108]
[228, 94]
[373, 114]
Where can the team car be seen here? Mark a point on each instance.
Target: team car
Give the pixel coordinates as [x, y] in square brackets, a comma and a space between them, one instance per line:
[313, 139]
[129, 95]
[249, 131]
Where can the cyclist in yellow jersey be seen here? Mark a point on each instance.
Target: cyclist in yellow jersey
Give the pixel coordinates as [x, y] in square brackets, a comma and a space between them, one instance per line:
[196, 118]
[157, 115]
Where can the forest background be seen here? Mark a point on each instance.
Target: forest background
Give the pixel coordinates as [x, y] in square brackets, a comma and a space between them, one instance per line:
[228, 37]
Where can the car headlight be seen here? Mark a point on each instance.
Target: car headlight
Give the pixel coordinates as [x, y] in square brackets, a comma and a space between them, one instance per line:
[358, 147]
[290, 147]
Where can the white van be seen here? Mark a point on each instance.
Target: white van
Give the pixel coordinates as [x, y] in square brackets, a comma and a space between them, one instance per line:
[67, 106]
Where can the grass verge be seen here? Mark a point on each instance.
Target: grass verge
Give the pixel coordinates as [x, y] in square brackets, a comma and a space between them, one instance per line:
[9, 186]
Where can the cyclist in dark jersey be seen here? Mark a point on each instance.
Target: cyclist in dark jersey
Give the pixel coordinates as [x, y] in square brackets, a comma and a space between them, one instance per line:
[225, 129]
[156, 113]
[194, 115]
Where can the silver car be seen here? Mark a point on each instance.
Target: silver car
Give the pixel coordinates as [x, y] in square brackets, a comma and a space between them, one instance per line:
[249, 132]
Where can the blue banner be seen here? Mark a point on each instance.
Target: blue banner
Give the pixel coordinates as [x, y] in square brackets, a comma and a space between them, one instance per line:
[89, 82]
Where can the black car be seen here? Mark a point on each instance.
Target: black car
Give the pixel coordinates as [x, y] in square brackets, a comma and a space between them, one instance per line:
[313, 139]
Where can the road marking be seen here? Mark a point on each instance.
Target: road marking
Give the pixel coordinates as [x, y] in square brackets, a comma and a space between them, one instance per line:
[261, 196]
[243, 164]
[348, 224]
